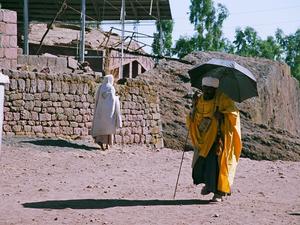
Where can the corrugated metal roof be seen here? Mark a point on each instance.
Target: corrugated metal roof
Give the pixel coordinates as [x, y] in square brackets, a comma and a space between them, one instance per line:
[98, 10]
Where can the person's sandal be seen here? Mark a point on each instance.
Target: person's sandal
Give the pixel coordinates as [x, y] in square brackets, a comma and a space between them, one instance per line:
[204, 191]
[217, 198]
[101, 146]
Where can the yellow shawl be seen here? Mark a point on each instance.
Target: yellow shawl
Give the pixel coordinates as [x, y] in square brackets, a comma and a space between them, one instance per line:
[231, 135]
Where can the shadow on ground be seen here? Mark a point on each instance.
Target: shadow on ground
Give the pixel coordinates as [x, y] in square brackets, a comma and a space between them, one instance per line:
[108, 203]
[60, 143]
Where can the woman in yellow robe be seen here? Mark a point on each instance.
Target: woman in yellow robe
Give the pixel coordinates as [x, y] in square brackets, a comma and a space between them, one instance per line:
[214, 128]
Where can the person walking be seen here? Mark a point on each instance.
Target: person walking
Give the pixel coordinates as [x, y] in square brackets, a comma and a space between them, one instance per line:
[214, 128]
[107, 114]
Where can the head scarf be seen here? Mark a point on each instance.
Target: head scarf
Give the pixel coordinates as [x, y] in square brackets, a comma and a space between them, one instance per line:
[109, 78]
[107, 85]
[210, 82]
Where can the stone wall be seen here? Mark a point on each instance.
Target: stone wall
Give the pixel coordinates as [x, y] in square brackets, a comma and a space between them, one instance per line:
[51, 64]
[45, 105]
[8, 39]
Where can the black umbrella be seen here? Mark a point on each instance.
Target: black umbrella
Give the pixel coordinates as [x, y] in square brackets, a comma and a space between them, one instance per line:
[236, 81]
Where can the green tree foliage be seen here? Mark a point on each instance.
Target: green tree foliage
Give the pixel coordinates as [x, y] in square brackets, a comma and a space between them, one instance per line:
[184, 46]
[282, 47]
[208, 22]
[291, 51]
[248, 43]
[162, 42]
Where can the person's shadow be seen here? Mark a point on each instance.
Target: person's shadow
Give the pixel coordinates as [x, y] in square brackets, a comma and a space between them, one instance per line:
[60, 143]
[108, 203]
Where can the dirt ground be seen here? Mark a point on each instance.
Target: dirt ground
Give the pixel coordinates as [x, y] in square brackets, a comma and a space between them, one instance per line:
[48, 181]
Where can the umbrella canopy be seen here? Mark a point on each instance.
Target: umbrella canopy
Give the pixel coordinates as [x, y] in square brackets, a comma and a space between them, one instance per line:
[236, 81]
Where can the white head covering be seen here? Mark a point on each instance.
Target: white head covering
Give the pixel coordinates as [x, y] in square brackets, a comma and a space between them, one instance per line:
[210, 82]
[107, 86]
[109, 78]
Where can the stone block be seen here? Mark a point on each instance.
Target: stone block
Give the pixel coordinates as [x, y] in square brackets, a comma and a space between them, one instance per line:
[25, 115]
[156, 116]
[65, 104]
[8, 116]
[13, 64]
[7, 128]
[48, 86]
[85, 131]
[72, 63]
[41, 86]
[78, 118]
[33, 60]
[45, 117]
[79, 90]
[29, 105]
[13, 43]
[126, 139]
[16, 96]
[68, 112]
[59, 110]
[11, 29]
[33, 86]
[45, 96]
[4, 63]
[51, 62]
[73, 88]
[47, 130]
[56, 130]
[37, 109]
[16, 128]
[2, 27]
[37, 103]
[65, 87]
[69, 98]
[73, 124]
[27, 128]
[148, 139]
[61, 64]
[1, 52]
[10, 53]
[77, 131]
[137, 138]
[42, 60]
[118, 139]
[57, 86]
[67, 130]
[37, 129]
[4, 41]
[13, 84]
[9, 16]
[51, 110]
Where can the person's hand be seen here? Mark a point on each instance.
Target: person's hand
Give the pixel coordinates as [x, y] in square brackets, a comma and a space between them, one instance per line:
[196, 95]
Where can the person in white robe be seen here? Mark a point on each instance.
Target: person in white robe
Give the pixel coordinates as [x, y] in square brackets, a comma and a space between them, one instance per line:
[107, 114]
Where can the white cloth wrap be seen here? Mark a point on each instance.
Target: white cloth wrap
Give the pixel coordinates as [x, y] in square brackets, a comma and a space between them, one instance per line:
[107, 113]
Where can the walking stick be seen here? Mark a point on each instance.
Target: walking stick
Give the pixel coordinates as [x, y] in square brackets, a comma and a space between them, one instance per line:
[181, 163]
[193, 103]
